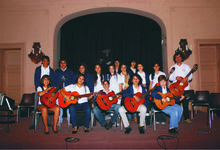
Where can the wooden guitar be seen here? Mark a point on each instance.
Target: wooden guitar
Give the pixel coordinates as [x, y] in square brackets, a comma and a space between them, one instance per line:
[105, 101]
[73, 96]
[170, 100]
[132, 105]
[178, 87]
[49, 99]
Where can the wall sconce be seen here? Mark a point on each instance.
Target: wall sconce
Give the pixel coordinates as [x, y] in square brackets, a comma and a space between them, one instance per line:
[184, 49]
[36, 53]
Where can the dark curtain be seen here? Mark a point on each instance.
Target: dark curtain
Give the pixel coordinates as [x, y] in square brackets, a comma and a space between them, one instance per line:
[127, 36]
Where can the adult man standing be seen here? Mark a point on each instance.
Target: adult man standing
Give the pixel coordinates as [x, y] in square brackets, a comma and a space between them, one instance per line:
[181, 70]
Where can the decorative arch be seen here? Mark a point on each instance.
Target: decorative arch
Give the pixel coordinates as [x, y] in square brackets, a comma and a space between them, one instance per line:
[110, 9]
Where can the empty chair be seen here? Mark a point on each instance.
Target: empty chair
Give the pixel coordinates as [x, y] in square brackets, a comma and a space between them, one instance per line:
[153, 116]
[190, 95]
[214, 105]
[201, 99]
[27, 101]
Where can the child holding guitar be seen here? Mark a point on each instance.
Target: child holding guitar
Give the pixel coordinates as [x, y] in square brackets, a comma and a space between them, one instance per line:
[45, 86]
[134, 88]
[82, 103]
[100, 113]
[174, 111]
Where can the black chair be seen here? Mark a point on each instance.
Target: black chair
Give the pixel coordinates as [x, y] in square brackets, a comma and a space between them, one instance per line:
[7, 108]
[214, 105]
[201, 99]
[27, 101]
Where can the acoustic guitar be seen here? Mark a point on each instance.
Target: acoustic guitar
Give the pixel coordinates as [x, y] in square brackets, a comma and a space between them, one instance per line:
[170, 100]
[49, 99]
[105, 101]
[132, 105]
[74, 97]
[178, 87]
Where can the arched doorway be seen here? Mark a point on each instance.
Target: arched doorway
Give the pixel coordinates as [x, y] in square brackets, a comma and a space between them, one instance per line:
[105, 10]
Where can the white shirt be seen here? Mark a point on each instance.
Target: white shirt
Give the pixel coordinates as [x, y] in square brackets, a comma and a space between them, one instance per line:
[164, 90]
[114, 84]
[137, 90]
[134, 70]
[80, 90]
[39, 89]
[143, 77]
[44, 71]
[155, 79]
[181, 71]
[98, 86]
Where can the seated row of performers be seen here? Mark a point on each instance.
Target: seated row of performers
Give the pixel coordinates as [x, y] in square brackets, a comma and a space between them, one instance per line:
[174, 111]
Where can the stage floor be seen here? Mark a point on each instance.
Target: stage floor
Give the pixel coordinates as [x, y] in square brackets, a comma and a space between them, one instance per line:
[20, 137]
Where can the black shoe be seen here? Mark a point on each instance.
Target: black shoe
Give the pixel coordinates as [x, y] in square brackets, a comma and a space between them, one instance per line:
[106, 126]
[110, 125]
[74, 130]
[173, 131]
[141, 129]
[128, 130]
[31, 127]
[86, 130]
[46, 133]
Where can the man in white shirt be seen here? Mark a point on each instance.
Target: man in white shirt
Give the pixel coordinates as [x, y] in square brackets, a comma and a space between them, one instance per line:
[181, 70]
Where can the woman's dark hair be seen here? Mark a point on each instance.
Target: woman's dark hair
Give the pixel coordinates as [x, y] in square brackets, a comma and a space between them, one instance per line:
[79, 75]
[131, 78]
[153, 72]
[176, 54]
[126, 67]
[42, 81]
[162, 77]
[85, 66]
[45, 57]
[105, 81]
[108, 69]
[96, 76]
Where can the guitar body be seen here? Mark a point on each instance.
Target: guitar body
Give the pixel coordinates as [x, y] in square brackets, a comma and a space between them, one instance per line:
[131, 104]
[104, 102]
[49, 99]
[178, 87]
[63, 103]
[162, 105]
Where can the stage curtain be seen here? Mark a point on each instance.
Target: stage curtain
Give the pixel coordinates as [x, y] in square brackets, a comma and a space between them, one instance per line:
[128, 36]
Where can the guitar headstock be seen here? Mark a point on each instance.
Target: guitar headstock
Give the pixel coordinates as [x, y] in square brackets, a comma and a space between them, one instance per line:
[195, 67]
[64, 78]
[172, 70]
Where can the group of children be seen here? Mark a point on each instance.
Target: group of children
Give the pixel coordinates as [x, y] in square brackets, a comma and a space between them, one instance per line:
[118, 79]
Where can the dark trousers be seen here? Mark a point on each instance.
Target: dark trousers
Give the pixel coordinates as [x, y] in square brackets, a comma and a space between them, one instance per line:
[85, 107]
[185, 103]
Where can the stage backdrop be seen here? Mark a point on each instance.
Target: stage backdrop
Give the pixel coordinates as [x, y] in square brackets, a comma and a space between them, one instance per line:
[127, 36]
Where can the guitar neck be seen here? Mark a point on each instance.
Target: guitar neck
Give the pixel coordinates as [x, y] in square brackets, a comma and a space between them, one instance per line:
[83, 95]
[120, 93]
[59, 86]
[148, 92]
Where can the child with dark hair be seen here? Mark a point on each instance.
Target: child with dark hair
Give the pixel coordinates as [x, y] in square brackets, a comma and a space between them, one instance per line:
[174, 111]
[82, 103]
[135, 87]
[45, 86]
